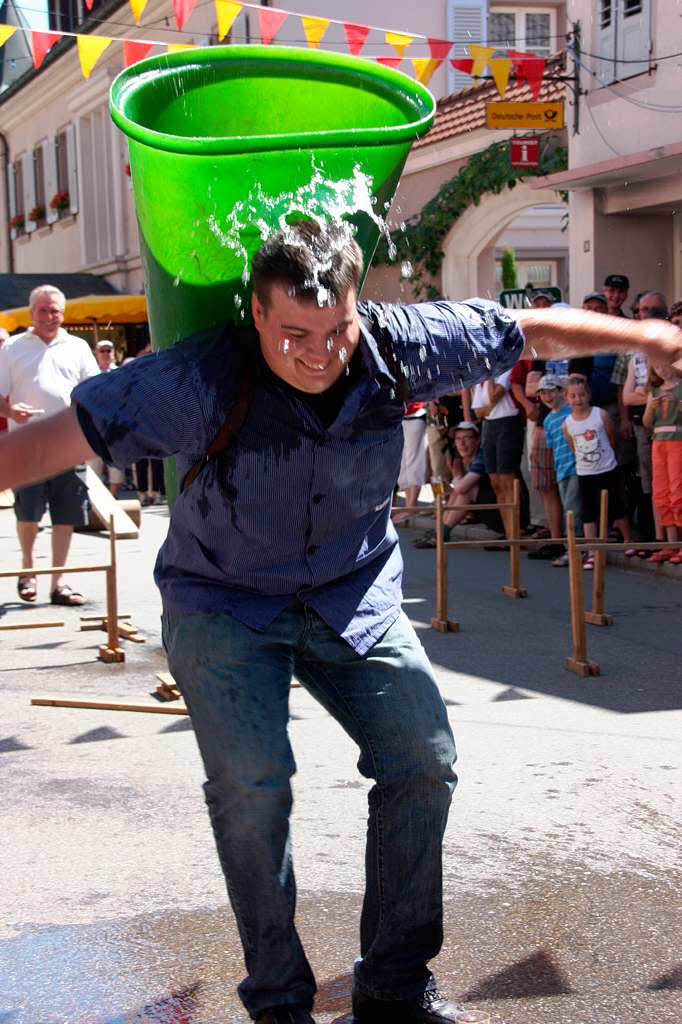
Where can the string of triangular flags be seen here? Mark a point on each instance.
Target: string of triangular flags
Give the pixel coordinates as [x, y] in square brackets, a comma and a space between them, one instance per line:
[525, 67]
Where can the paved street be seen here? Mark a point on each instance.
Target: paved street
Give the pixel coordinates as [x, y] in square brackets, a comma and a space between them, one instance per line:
[562, 859]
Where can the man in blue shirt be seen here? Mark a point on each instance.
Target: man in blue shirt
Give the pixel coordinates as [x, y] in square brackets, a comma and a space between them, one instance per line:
[281, 559]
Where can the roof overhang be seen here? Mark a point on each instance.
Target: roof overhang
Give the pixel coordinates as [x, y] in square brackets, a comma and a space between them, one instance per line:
[647, 165]
[87, 311]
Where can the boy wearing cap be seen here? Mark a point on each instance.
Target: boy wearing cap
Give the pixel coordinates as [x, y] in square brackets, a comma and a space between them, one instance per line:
[553, 396]
[616, 288]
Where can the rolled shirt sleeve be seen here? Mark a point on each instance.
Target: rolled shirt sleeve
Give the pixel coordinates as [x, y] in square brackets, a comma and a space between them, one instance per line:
[446, 346]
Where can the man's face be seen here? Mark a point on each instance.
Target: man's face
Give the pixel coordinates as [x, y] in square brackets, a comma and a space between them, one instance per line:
[307, 345]
[676, 318]
[47, 314]
[542, 302]
[104, 356]
[466, 443]
[650, 304]
[615, 296]
[595, 306]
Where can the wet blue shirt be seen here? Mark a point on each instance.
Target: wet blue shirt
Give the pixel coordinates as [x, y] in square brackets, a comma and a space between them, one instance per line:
[292, 509]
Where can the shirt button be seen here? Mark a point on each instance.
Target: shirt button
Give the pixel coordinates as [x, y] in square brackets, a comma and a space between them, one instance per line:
[317, 498]
[312, 549]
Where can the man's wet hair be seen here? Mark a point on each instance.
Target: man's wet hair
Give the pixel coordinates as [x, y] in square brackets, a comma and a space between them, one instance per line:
[312, 262]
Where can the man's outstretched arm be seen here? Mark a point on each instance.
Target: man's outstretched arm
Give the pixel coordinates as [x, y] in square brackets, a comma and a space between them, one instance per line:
[556, 334]
[42, 449]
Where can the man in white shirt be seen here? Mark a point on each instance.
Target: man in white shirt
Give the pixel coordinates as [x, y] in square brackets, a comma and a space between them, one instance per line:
[38, 372]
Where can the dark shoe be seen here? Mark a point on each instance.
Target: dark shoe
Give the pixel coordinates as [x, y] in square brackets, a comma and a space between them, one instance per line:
[66, 596]
[26, 588]
[431, 1008]
[285, 1015]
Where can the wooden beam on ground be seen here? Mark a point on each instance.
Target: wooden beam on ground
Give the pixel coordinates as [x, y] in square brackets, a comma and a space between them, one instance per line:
[33, 625]
[110, 705]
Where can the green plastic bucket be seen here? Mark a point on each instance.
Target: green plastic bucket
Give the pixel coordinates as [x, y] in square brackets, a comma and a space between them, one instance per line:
[220, 141]
[228, 143]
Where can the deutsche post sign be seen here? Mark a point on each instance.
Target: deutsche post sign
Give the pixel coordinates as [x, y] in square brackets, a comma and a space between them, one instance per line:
[524, 115]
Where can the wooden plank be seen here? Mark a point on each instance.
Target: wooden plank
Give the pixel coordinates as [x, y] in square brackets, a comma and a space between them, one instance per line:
[111, 705]
[33, 625]
[104, 506]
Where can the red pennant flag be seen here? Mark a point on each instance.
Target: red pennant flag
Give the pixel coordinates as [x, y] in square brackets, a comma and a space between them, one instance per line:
[440, 48]
[390, 62]
[529, 69]
[132, 52]
[89, 3]
[356, 36]
[466, 65]
[270, 22]
[42, 42]
[182, 10]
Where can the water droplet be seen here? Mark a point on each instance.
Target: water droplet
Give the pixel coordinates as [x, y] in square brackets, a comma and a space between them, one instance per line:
[422, 353]
[343, 355]
[406, 269]
[176, 281]
[285, 346]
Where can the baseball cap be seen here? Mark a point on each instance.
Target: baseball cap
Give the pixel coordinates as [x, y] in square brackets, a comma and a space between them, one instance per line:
[549, 380]
[467, 425]
[595, 297]
[617, 281]
[105, 343]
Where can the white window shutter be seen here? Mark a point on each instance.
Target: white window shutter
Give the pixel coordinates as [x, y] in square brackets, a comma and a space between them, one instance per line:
[12, 200]
[73, 170]
[633, 37]
[605, 40]
[50, 167]
[467, 23]
[29, 189]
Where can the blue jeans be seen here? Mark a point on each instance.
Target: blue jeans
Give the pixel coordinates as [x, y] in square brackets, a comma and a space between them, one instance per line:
[235, 682]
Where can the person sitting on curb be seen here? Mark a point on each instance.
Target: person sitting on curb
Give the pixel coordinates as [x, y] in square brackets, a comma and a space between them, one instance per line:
[471, 488]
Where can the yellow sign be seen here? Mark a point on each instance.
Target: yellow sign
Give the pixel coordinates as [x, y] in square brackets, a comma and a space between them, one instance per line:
[524, 115]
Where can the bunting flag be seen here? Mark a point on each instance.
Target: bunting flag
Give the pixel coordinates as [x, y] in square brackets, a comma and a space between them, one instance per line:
[226, 13]
[481, 55]
[179, 47]
[137, 8]
[41, 43]
[270, 22]
[132, 52]
[528, 68]
[89, 3]
[315, 29]
[90, 49]
[424, 68]
[440, 48]
[399, 42]
[390, 62]
[182, 9]
[356, 36]
[464, 64]
[501, 70]
[6, 31]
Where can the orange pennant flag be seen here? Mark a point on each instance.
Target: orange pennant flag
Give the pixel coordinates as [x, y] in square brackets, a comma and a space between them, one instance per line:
[178, 47]
[42, 42]
[399, 42]
[270, 22]
[424, 68]
[137, 7]
[481, 55]
[315, 29]
[226, 13]
[134, 51]
[390, 62]
[5, 32]
[90, 49]
[501, 70]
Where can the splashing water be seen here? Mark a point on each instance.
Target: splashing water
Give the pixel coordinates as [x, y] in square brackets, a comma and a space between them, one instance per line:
[319, 200]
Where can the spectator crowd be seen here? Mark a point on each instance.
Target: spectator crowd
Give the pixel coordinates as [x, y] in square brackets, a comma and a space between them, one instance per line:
[566, 429]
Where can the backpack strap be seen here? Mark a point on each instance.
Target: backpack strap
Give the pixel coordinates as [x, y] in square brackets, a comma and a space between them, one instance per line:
[233, 423]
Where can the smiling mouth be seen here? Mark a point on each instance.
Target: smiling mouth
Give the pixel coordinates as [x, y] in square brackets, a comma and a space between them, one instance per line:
[314, 367]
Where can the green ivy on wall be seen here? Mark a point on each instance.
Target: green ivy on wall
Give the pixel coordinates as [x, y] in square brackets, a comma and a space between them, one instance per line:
[420, 242]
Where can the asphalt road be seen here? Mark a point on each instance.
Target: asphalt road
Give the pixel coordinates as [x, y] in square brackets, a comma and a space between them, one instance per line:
[562, 857]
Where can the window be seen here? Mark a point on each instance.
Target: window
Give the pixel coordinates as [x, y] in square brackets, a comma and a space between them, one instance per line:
[622, 40]
[530, 30]
[18, 172]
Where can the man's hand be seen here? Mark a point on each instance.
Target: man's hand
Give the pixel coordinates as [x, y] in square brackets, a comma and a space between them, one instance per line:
[22, 413]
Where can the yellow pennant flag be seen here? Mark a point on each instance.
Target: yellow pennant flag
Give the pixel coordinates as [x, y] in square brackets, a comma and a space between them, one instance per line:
[501, 70]
[480, 55]
[5, 32]
[315, 29]
[424, 68]
[226, 12]
[177, 47]
[399, 42]
[90, 49]
[137, 7]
